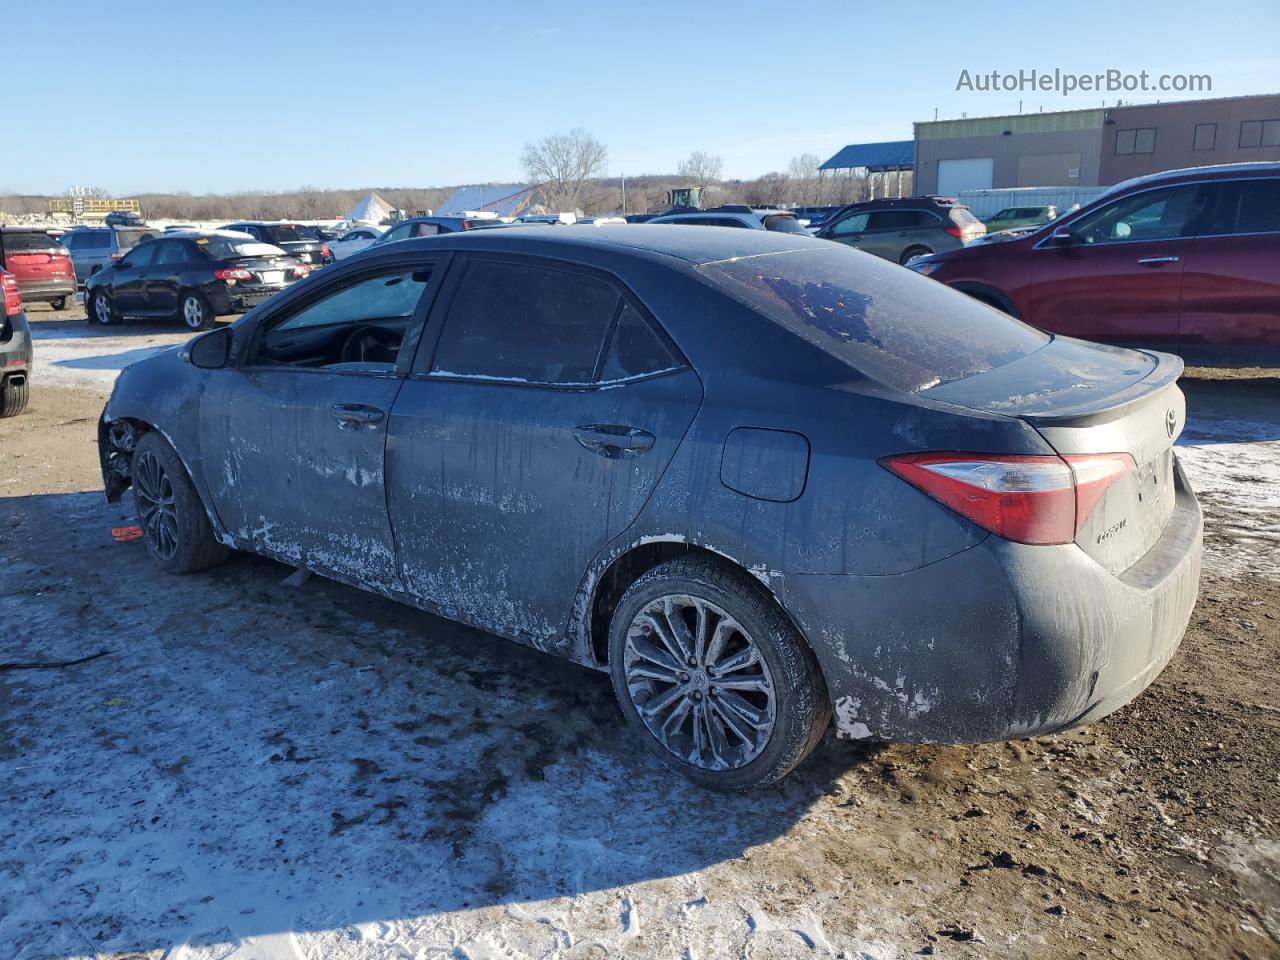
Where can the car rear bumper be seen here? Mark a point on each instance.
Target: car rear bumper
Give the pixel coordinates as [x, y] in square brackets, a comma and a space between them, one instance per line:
[46, 290]
[239, 299]
[1001, 641]
[15, 346]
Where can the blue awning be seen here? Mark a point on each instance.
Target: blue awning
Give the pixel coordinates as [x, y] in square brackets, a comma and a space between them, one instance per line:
[893, 155]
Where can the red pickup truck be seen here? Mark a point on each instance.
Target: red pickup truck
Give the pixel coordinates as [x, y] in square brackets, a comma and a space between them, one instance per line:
[1186, 261]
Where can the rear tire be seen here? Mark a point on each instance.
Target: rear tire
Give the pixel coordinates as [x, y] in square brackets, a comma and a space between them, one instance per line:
[754, 701]
[911, 253]
[175, 526]
[102, 311]
[14, 396]
[194, 311]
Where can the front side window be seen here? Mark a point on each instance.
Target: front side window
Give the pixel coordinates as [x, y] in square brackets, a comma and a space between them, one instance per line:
[520, 323]
[385, 297]
[171, 252]
[140, 256]
[1152, 215]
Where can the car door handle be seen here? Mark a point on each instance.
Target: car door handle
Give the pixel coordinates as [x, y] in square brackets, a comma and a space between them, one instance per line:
[350, 416]
[1156, 261]
[613, 440]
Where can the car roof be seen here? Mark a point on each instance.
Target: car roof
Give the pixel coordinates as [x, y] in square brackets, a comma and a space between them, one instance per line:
[193, 234]
[1224, 171]
[693, 246]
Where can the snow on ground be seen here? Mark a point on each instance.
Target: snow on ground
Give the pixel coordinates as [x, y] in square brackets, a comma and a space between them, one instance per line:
[77, 355]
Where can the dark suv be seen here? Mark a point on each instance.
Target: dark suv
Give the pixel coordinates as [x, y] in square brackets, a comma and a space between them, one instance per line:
[905, 228]
[294, 239]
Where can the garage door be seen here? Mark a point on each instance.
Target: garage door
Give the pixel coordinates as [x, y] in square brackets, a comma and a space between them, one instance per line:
[956, 176]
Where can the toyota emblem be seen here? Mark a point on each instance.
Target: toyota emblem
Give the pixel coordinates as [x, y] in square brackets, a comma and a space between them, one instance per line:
[1171, 421]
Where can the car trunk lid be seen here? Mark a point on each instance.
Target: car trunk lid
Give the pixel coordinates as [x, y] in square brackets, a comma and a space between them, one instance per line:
[1086, 399]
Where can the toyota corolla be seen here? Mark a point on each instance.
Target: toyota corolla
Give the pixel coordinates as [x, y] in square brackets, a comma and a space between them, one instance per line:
[767, 484]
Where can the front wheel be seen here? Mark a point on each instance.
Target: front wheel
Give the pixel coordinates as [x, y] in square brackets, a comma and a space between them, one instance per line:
[101, 310]
[195, 312]
[912, 253]
[713, 677]
[174, 524]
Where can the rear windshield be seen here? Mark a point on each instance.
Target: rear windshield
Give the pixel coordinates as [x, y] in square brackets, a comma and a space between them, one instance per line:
[963, 216]
[128, 239]
[226, 248]
[784, 224]
[30, 243]
[894, 326]
[286, 233]
[309, 233]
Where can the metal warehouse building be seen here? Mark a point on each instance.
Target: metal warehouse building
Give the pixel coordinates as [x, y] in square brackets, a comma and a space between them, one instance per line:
[1092, 147]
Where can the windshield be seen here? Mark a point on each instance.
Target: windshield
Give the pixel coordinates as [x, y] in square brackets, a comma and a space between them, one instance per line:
[227, 248]
[892, 325]
[286, 233]
[783, 223]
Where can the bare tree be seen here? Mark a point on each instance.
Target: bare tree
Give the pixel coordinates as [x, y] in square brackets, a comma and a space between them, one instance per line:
[702, 170]
[561, 164]
[769, 190]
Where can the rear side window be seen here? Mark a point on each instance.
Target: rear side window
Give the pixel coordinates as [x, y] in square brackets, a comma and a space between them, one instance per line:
[1247, 206]
[523, 323]
[140, 256]
[894, 326]
[636, 350]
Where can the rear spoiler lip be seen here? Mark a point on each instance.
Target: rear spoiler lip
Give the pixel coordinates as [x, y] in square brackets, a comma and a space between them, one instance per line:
[1168, 368]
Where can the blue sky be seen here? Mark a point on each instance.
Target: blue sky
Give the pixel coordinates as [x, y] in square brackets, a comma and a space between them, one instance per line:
[238, 96]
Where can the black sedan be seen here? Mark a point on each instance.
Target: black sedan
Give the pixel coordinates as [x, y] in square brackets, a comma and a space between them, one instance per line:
[192, 275]
[295, 239]
[763, 482]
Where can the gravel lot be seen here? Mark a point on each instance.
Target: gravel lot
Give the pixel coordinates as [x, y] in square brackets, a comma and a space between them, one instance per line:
[261, 771]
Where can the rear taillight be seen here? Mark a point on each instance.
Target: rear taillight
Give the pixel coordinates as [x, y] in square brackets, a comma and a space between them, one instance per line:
[324, 250]
[12, 298]
[954, 232]
[301, 270]
[1027, 499]
[232, 274]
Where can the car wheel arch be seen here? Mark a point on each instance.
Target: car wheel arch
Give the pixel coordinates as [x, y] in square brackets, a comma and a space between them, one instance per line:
[988, 295]
[603, 588]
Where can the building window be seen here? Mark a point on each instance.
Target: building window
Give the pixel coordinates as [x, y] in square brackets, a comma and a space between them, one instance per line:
[1260, 133]
[1142, 140]
[1206, 136]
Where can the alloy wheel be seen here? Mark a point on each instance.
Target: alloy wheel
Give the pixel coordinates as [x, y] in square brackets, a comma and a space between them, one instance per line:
[102, 309]
[193, 313]
[699, 682]
[156, 508]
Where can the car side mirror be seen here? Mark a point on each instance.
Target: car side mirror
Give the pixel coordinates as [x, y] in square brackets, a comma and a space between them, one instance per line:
[210, 351]
[1062, 237]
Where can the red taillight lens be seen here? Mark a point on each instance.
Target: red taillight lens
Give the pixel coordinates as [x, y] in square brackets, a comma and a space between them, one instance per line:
[954, 232]
[1027, 499]
[232, 273]
[12, 298]
[301, 270]
[324, 250]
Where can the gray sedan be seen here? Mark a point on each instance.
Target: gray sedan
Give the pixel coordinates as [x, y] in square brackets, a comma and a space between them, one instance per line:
[767, 484]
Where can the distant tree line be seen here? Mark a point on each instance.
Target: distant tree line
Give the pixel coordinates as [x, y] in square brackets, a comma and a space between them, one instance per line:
[568, 170]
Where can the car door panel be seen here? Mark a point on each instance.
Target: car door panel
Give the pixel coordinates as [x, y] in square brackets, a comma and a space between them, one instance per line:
[501, 494]
[1231, 280]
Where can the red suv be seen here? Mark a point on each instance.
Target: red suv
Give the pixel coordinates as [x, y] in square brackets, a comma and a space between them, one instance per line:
[1186, 261]
[41, 264]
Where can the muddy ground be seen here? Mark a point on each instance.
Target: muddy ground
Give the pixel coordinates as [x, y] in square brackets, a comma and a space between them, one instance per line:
[262, 771]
